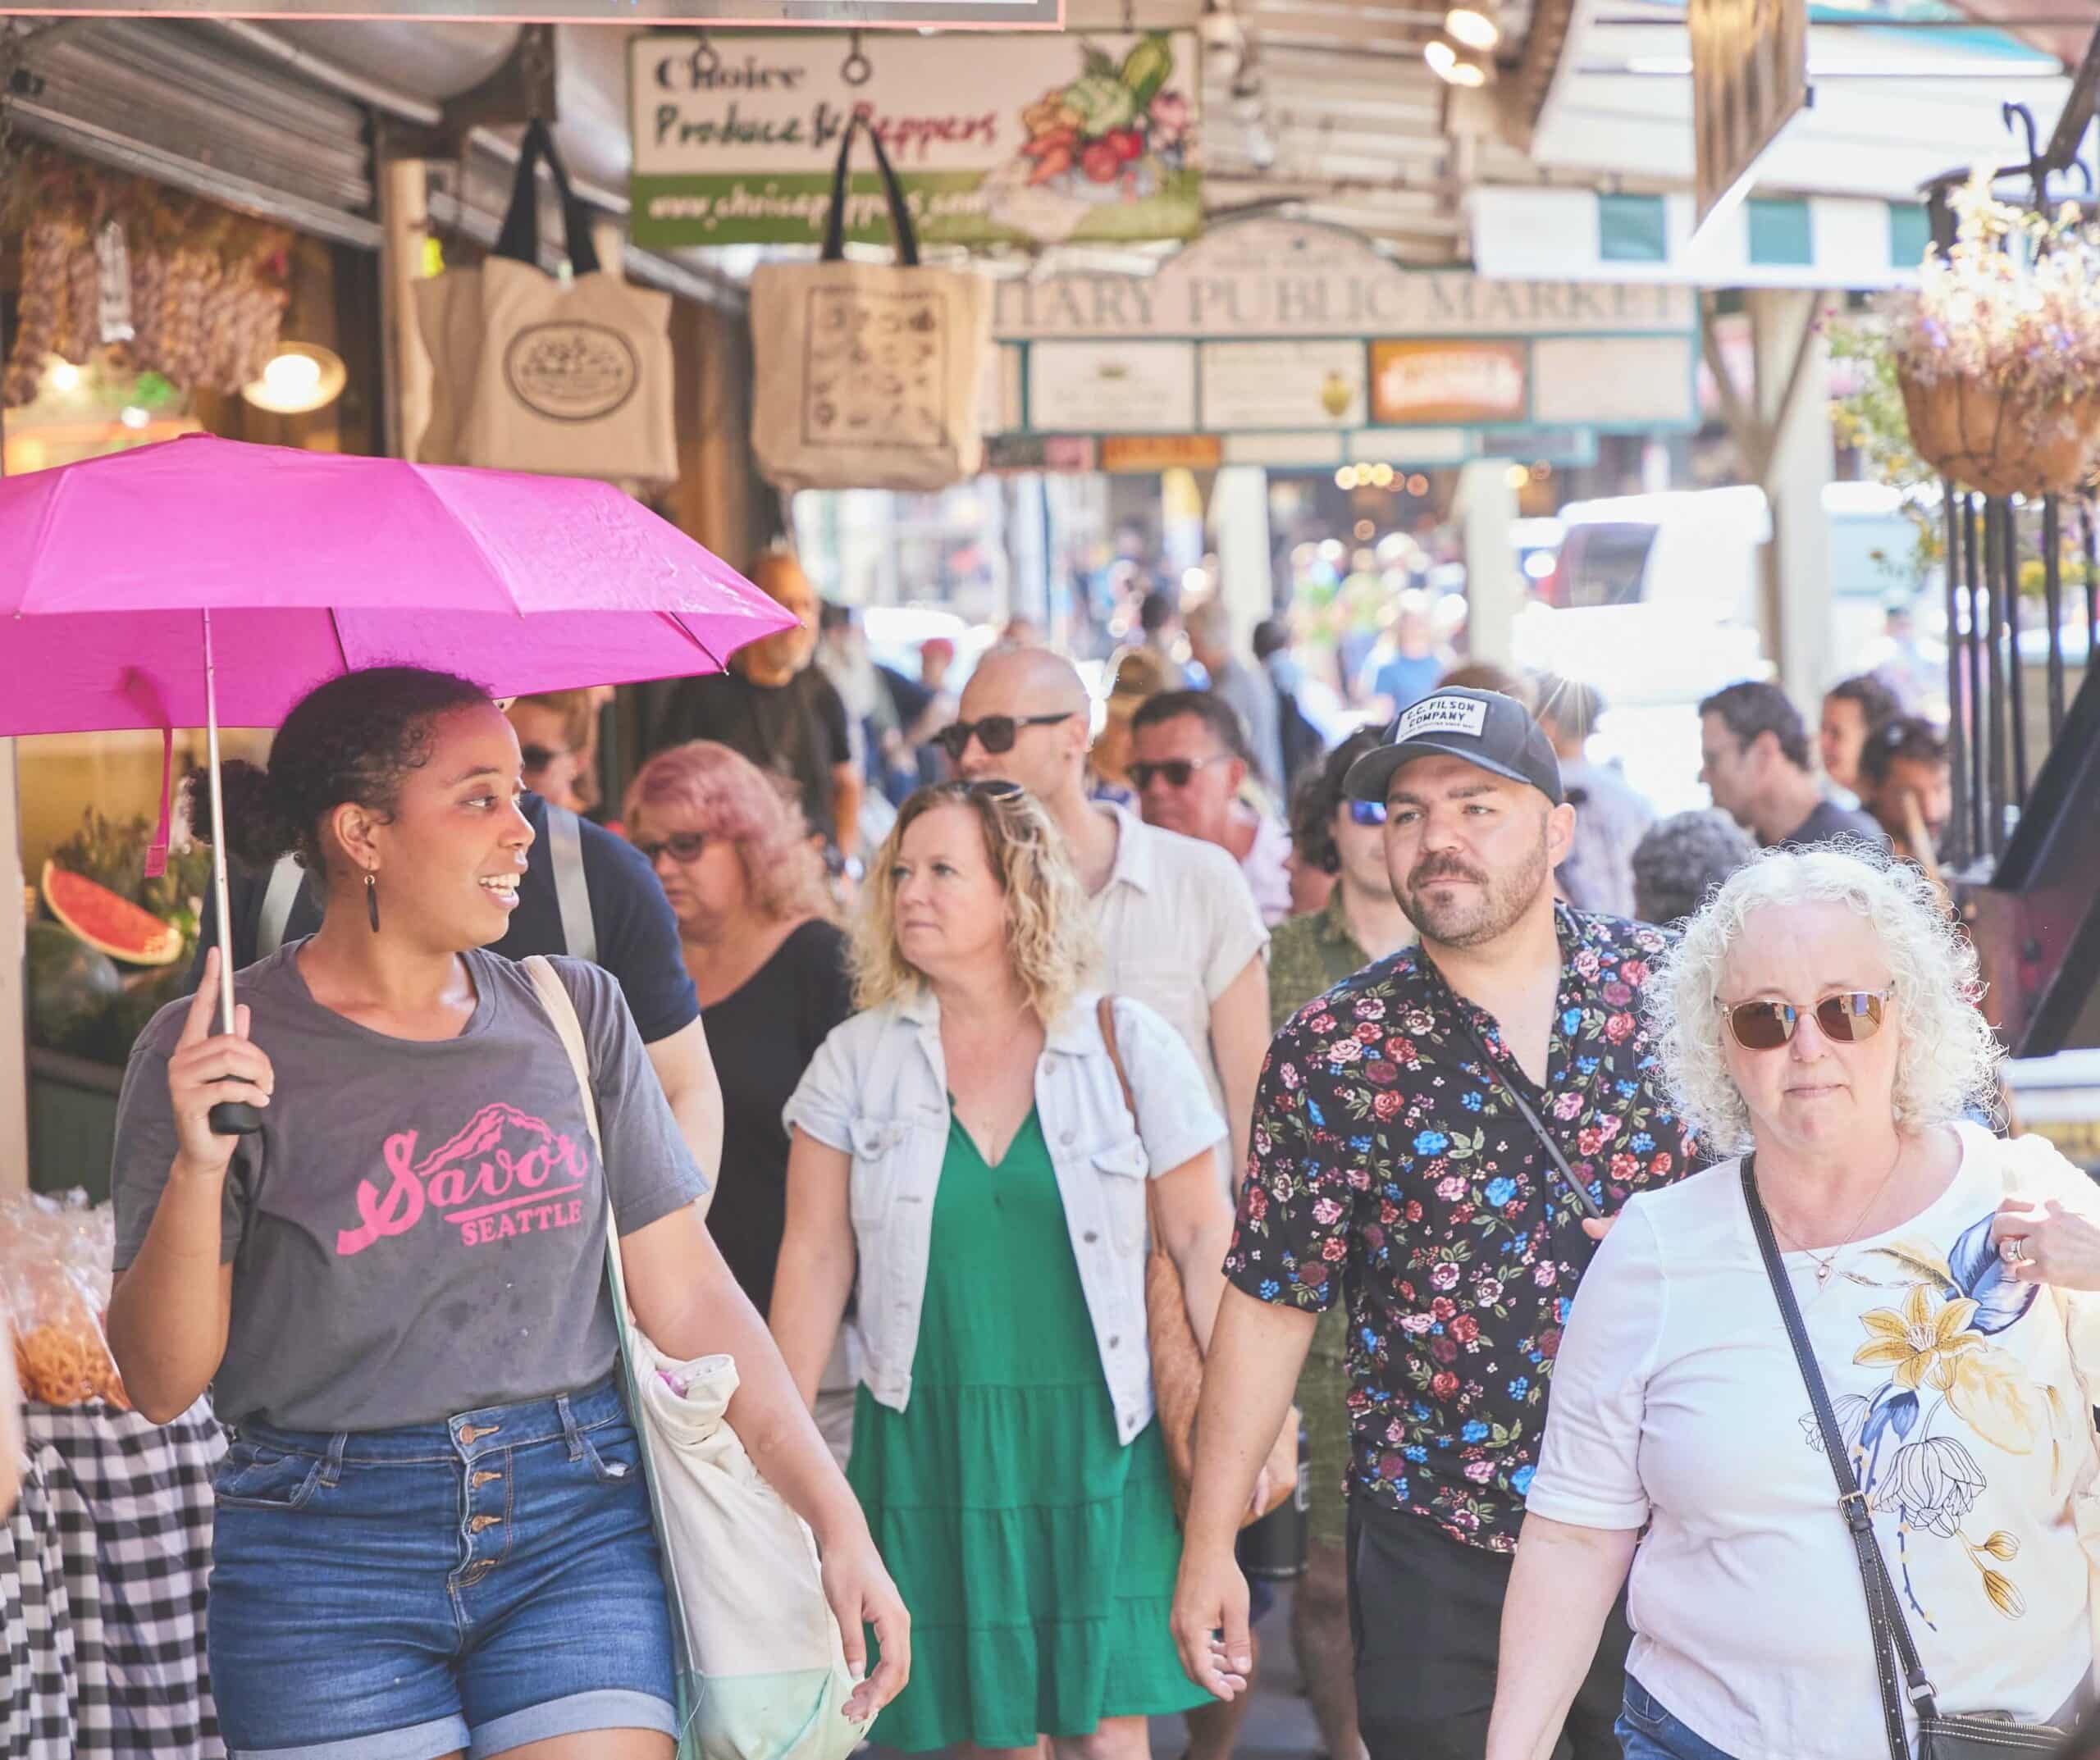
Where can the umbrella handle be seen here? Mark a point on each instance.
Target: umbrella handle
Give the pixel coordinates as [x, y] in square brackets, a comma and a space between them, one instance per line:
[235, 1118]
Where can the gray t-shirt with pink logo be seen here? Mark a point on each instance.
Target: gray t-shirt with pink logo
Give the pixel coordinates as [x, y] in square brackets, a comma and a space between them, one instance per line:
[419, 1229]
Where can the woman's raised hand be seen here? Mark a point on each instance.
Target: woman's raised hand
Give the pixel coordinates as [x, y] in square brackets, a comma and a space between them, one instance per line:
[2045, 1243]
[206, 1067]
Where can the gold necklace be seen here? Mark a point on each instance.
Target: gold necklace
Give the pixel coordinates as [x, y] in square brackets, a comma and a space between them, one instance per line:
[1826, 1262]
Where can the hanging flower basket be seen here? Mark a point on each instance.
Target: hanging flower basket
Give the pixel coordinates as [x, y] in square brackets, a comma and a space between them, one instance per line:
[2001, 444]
[1997, 350]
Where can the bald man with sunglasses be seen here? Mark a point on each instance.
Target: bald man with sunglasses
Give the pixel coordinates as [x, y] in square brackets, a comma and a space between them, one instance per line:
[1179, 927]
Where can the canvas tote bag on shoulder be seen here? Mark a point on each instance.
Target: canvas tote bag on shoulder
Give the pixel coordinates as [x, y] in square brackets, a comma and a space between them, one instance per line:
[762, 1673]
[866, 374]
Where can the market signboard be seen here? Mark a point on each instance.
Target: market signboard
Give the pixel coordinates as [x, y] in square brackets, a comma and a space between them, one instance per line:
[1034, 139]
[1442, 384]
[1292, 340]
[1749, 79]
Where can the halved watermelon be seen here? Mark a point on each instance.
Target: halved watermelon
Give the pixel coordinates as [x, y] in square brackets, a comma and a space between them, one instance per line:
[112, 925]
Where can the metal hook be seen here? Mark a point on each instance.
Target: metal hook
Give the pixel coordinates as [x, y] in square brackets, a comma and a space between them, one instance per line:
[706, 63]
[856, 68]
[2011, 109]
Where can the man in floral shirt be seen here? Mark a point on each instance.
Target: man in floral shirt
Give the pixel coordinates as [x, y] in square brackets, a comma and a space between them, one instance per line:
[1394, 1167]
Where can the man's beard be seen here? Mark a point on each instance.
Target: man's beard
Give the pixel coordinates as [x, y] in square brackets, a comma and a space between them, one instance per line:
[1486, 910]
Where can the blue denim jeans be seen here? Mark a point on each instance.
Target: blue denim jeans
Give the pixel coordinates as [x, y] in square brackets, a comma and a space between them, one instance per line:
[1647, 1731]
[400, 1594]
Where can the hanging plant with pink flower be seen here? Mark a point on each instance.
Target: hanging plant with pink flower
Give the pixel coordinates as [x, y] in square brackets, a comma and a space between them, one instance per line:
[1997, 351]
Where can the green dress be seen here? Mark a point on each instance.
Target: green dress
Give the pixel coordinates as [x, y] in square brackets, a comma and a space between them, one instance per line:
[1036, 1554]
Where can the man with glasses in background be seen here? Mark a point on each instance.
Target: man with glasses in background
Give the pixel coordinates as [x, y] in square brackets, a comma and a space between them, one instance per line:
[1177, 927]
[1437, 1142]
[1188, 765]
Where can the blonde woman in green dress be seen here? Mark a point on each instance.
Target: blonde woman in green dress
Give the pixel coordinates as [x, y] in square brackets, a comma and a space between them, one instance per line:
[963, 1146]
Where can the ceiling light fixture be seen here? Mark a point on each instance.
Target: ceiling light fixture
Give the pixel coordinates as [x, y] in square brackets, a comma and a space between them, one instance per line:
[1455, 66]
[300, 377]
[1473, 25]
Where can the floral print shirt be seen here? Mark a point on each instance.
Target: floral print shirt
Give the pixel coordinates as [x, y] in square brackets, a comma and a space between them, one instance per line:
[1390, 1169]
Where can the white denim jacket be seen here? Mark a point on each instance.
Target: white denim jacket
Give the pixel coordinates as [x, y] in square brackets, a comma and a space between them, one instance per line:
[877, 1090]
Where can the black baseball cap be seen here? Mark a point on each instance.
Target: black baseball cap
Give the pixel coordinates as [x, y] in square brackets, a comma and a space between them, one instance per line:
[1483, 728]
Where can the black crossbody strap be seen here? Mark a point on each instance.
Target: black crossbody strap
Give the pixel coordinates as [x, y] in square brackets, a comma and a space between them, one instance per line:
[1591, 1207]
[1891, 1632]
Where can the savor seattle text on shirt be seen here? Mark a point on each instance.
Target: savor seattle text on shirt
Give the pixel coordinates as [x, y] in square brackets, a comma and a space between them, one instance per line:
[1389, 1169]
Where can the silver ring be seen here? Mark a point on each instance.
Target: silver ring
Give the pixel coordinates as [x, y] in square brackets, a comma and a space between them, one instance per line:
[2013, 1250]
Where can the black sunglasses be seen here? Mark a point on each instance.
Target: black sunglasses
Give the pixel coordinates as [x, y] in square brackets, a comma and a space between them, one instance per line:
[1845, 1017]
[684, 846]
[1177, 773]
[539, 757]
[995, 733]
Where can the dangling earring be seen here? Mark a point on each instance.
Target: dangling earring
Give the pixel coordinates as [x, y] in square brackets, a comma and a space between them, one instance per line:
[371, 899]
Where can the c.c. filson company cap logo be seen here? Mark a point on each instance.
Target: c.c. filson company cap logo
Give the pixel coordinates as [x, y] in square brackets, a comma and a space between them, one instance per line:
[571, 371]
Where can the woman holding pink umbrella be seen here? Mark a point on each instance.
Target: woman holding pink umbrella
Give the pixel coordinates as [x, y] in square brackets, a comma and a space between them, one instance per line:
[433, 1535]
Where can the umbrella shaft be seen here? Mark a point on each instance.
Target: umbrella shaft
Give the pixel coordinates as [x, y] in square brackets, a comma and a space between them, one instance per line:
[219, 896]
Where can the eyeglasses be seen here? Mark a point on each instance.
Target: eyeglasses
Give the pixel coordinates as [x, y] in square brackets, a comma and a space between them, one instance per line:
[539, 757]
[1366, 812]
[1844, 1017]
[1177, 773]
[684, 847]
[995, 733]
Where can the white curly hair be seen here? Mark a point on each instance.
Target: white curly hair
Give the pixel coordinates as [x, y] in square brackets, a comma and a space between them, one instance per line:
[1949, 1057]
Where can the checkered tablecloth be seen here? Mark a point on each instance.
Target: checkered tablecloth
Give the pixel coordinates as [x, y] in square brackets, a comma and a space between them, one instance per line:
[103, 1573]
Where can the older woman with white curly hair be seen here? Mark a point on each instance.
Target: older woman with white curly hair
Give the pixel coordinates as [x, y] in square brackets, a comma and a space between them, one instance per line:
[1817, 1024]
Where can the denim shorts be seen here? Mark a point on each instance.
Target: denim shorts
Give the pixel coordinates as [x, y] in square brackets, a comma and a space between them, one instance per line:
[475, 1584]
[1647, 1731]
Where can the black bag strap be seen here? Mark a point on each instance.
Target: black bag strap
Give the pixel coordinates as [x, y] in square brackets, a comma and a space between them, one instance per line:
[520, 240]
[1591, 1207]
[1892, 1648]
[906, 234]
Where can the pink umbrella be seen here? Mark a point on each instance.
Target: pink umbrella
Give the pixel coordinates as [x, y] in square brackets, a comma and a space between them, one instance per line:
[129, 583]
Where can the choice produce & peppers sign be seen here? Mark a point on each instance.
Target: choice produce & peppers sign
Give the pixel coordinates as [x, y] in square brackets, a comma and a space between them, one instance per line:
[1040, 139]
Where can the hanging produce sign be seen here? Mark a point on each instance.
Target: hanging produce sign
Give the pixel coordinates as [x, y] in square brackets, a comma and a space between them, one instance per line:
[1277, 333]
[1025, 139]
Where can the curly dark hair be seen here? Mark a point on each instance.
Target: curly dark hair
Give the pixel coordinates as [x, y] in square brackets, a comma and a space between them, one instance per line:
[1317, 792]
[352, 738]
[1910, 736]
[1878, 703]
[1681, 860]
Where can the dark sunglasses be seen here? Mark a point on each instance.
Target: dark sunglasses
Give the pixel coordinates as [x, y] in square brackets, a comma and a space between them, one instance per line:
[1846, 1017]
[1177, 773]
[1366, 812]
[684, 846]
[995, 733]
[539, 757]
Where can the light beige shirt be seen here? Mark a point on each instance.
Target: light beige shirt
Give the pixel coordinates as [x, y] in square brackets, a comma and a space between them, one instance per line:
[1177, 924]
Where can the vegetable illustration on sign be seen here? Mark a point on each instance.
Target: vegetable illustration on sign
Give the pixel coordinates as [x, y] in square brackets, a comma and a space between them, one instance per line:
[1117, 134]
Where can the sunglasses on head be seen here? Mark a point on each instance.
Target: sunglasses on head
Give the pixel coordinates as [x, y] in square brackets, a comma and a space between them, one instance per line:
[683, 846]
[989, 788]
[995, 733]
[1366, 812]
[1177, 773]
[539, 757]
[1844, 1017]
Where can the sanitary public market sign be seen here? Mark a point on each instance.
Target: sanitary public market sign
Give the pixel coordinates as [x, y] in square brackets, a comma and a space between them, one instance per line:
[1035, 139]
[1305, 334]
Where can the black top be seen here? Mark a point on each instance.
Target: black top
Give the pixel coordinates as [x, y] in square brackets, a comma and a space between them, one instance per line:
[637, 935]
[1392, 1171]
[763, 1036]
[1830, 820]
[798, 728]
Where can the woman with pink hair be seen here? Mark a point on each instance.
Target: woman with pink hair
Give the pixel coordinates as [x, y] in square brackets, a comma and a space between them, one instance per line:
[733, 852]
